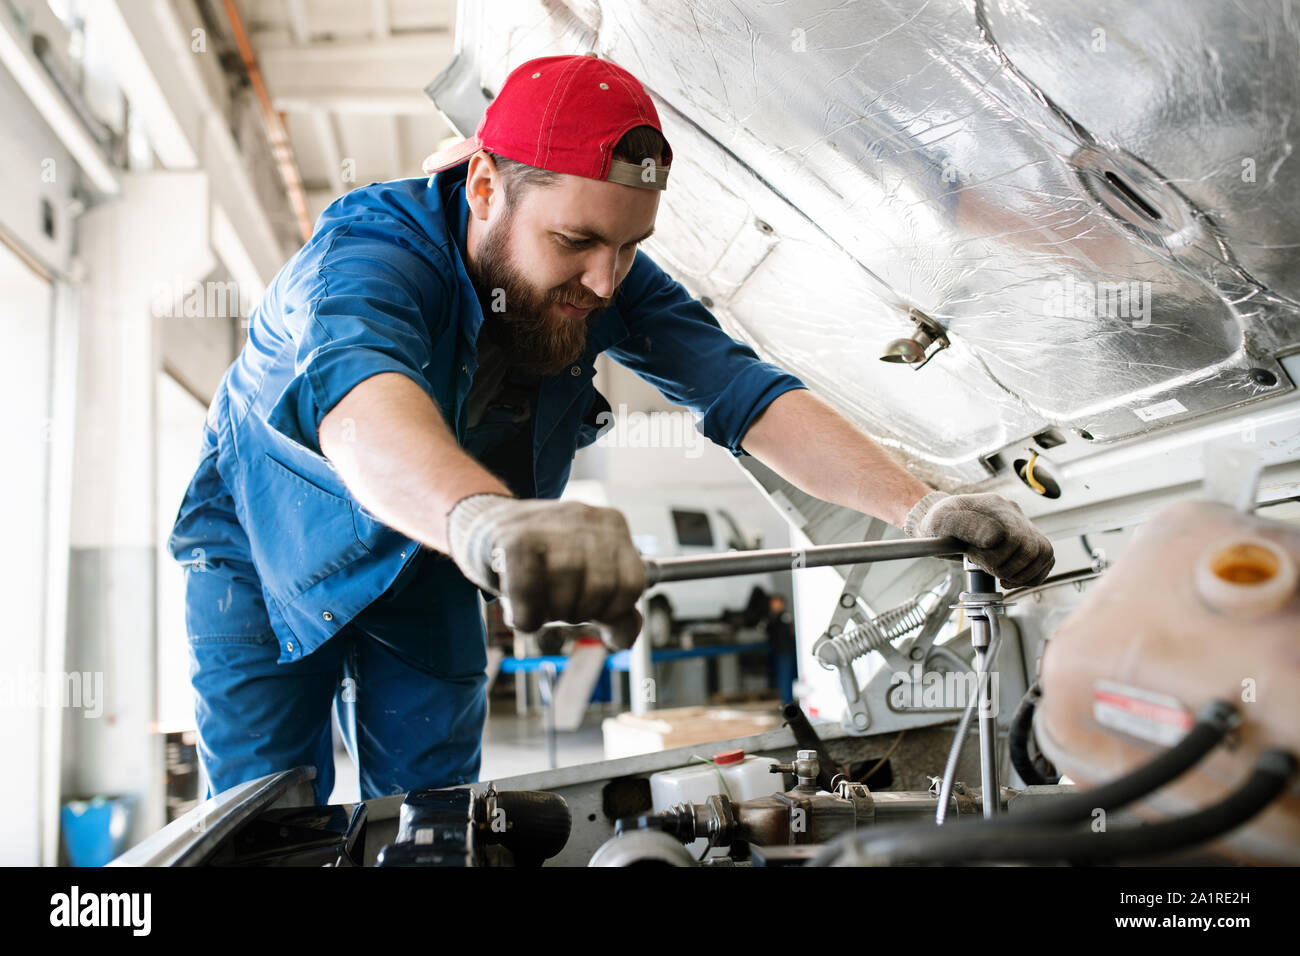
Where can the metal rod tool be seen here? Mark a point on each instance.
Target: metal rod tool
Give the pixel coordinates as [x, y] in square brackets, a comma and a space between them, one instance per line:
[732, 563]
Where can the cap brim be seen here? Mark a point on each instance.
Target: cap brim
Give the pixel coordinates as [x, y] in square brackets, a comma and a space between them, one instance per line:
[451, 156]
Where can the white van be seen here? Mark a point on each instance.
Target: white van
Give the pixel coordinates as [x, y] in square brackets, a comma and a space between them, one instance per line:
[678, 523]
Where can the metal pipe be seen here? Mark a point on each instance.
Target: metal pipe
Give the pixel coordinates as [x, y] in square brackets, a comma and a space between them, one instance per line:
[640, 672]
[988, 712]
[981, 601]
[981, 591]
[735, 563]
[546, 685]
[909, 806]
[1056, 580]
[281, 145]
[958, 742]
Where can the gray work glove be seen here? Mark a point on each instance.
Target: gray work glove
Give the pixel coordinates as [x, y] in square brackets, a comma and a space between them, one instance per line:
[551, 561]
[1002, 540]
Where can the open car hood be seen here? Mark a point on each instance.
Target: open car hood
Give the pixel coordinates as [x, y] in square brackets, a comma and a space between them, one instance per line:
[1098, 208]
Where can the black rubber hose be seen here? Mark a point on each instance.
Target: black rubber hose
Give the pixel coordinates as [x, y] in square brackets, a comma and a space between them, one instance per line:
[1032, 772]
[1213, 723]
[537, 825]
[678, 822]
[1038, 843]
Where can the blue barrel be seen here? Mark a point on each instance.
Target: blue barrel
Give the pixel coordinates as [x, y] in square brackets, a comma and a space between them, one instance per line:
[94, 830]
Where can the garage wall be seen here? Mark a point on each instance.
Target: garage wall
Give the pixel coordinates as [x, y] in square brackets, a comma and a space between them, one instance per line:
[25, 328]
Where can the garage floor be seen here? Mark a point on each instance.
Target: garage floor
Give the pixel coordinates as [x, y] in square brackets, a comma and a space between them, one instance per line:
[511, 745]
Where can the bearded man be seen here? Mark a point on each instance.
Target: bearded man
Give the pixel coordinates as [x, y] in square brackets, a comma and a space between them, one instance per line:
[393, 435]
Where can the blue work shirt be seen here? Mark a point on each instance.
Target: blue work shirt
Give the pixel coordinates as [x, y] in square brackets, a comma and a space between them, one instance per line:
[382, 287]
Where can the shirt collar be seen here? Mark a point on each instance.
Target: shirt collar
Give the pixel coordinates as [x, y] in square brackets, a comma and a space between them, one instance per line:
[458, 224]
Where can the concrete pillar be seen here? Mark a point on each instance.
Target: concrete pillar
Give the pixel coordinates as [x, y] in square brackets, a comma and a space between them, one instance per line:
[156, 236]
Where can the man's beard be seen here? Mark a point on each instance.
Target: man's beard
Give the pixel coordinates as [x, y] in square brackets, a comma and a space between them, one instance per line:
[534, 339]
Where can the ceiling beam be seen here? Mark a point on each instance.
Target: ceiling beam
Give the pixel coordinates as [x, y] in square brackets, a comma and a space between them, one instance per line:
[380, 23]
[331, 153]
[342, 99]
[273, 51]
[392, 129]
[296, 10]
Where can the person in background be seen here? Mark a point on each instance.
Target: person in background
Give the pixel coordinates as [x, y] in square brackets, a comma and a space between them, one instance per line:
[781, 647]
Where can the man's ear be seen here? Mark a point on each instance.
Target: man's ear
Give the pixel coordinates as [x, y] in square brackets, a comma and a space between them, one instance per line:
[482, 185]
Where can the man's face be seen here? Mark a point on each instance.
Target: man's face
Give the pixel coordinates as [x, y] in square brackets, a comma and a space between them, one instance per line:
[556, 258]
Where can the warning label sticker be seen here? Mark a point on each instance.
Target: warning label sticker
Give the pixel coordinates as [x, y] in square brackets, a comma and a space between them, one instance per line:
[1158, 718]
[1150, 413]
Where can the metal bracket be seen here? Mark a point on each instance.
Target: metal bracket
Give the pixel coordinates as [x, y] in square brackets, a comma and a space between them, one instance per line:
[838, 648]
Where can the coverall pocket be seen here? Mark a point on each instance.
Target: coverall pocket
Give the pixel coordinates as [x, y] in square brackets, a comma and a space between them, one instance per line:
[304, 533]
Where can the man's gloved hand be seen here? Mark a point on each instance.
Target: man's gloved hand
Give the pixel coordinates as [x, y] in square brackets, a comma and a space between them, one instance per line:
[1003, 541]
[551, 561]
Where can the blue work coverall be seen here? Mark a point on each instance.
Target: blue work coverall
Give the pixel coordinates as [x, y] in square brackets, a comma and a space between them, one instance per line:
[296, 597]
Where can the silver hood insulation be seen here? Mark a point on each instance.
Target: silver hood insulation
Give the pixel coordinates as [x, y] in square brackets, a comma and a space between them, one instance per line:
[1098, 203]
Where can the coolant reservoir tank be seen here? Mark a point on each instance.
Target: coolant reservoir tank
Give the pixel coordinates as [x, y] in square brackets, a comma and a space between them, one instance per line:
[1204, 604]
[1246, 577]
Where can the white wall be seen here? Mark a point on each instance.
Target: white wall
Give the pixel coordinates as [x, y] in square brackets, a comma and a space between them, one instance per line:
[180, 427]
[25, 329]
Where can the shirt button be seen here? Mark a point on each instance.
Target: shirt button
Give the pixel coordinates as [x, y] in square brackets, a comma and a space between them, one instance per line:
[464, 368]
[575, 371]
[289, 646]
[327, 615]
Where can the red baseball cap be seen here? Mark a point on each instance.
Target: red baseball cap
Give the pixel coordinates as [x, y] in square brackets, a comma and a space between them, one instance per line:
[565, 114]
